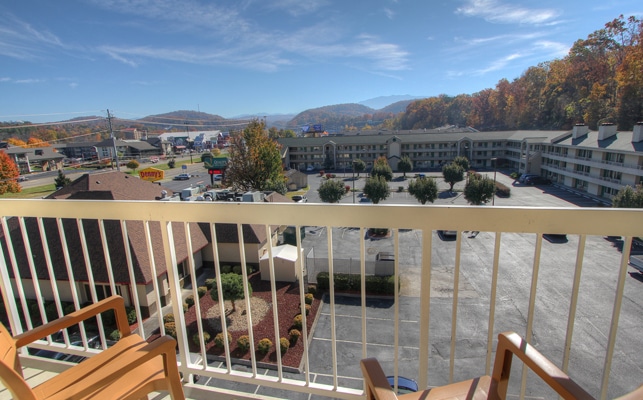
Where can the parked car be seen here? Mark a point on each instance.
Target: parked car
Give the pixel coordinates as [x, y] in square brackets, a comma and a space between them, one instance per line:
[555, 237]
[525, 176]
[22, 178]
[310, 168]
[537, 180]
[217, 177]
[182, 177]
[299, 199]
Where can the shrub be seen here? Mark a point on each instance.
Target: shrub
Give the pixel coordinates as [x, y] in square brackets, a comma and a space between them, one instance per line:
[400, 189]
[189, 300]
[348, 188]
[322, 172]
[168, 318]
[308, 308]
[309, 298]
[197, 339]
[294, 335]
[108, 317]
[201, 291]
[185, 307]
[50, 310]
[264, 345]
[70, 308]
[243, 343]
[237, 269]
[131, 315]
[312, 290]
[226, 269]
[514, 175]
[502, 190]
[297, 322]
[284, 344]
[115, 335]
[210, 282]
[170, 329]
[219, 338]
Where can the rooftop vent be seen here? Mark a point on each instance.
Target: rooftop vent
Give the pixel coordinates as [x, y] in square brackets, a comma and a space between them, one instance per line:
[606, 131]
[579, 130]
[637, 135]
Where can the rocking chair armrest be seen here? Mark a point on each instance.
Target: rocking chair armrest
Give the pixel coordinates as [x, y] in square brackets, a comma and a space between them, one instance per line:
[115, 303]
[510, 344]
[377, 386]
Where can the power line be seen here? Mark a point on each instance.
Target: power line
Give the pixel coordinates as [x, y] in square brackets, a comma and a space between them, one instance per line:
[51, 123]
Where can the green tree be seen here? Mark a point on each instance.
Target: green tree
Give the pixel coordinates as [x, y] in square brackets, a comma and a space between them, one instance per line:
[376, 188]
[231, 288]
[359, 166]
[278, 186]
[133, 165]
[253, 159]
[61, 180]
[381, 168]
[463, 162]
[8, 175]
[331, 191]
[479, 189]
[629, 197]
[452, 174]
[424, 189]
[405, 165]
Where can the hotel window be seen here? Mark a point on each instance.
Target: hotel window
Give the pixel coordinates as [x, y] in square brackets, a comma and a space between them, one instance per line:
[584, 153]
[102, 291]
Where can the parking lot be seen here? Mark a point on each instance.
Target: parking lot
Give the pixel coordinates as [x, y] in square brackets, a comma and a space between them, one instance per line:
[596, 296]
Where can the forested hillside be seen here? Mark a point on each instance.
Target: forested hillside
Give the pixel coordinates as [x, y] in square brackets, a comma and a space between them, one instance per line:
[600, 80]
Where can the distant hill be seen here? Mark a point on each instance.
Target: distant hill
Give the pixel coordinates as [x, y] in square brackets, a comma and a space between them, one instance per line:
[183, 116]
[382, 102]
[332, 117]
[398, 107]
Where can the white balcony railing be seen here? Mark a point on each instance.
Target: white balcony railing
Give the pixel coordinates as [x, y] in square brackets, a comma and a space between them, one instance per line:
[451, 297]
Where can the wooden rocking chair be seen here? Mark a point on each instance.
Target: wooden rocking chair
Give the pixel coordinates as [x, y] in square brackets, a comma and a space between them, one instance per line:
[486, 387]
[130, 369]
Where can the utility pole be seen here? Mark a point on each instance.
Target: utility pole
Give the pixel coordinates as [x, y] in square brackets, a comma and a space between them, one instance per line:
[111, 134]
[187, 130]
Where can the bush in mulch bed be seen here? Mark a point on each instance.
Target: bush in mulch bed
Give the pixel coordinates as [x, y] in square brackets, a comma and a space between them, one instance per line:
[288, 300]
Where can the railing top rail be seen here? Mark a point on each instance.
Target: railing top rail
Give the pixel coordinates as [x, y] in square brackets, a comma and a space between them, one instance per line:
[591, 221]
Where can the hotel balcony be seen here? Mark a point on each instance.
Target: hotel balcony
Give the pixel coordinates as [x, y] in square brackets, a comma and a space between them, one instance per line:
[575, 298]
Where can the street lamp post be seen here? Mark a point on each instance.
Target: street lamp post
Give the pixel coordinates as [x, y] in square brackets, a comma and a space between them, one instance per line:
[493, 198]
[353, 165]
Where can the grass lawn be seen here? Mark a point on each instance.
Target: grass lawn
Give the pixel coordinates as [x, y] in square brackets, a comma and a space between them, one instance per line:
[31, 193]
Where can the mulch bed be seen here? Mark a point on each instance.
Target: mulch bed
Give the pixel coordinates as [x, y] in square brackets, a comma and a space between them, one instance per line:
[288, 306]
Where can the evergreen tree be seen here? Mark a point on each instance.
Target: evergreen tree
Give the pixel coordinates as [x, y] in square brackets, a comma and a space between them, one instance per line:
[231, 287]
[61, 180]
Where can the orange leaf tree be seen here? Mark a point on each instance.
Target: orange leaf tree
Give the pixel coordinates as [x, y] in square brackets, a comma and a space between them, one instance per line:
[8, 175]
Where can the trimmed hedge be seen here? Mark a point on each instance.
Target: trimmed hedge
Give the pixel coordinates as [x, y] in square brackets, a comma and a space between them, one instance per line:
[352, 282]
[502, 190]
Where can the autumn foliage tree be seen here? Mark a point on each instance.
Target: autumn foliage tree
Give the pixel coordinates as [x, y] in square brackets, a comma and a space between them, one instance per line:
[8, 175]
[254, 160]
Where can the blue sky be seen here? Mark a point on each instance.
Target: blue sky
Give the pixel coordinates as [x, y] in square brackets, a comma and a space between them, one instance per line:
[68, 58]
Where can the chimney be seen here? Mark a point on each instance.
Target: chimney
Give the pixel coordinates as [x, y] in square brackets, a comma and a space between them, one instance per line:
[606, 130]
[637, 135]
[579, 130]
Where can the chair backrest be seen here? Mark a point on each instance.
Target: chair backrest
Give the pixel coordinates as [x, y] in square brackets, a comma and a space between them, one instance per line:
[10, 368]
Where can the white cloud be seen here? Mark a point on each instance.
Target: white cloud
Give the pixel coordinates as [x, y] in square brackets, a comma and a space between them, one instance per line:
[390, 14]
[497, 12]
[298, 8]
[28, 81]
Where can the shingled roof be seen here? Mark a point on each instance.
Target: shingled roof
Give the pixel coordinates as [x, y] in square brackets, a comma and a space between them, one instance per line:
[111, 185]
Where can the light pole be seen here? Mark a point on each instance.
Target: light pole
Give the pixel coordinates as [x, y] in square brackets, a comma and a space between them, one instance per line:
[493, 198]
[353, 165]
